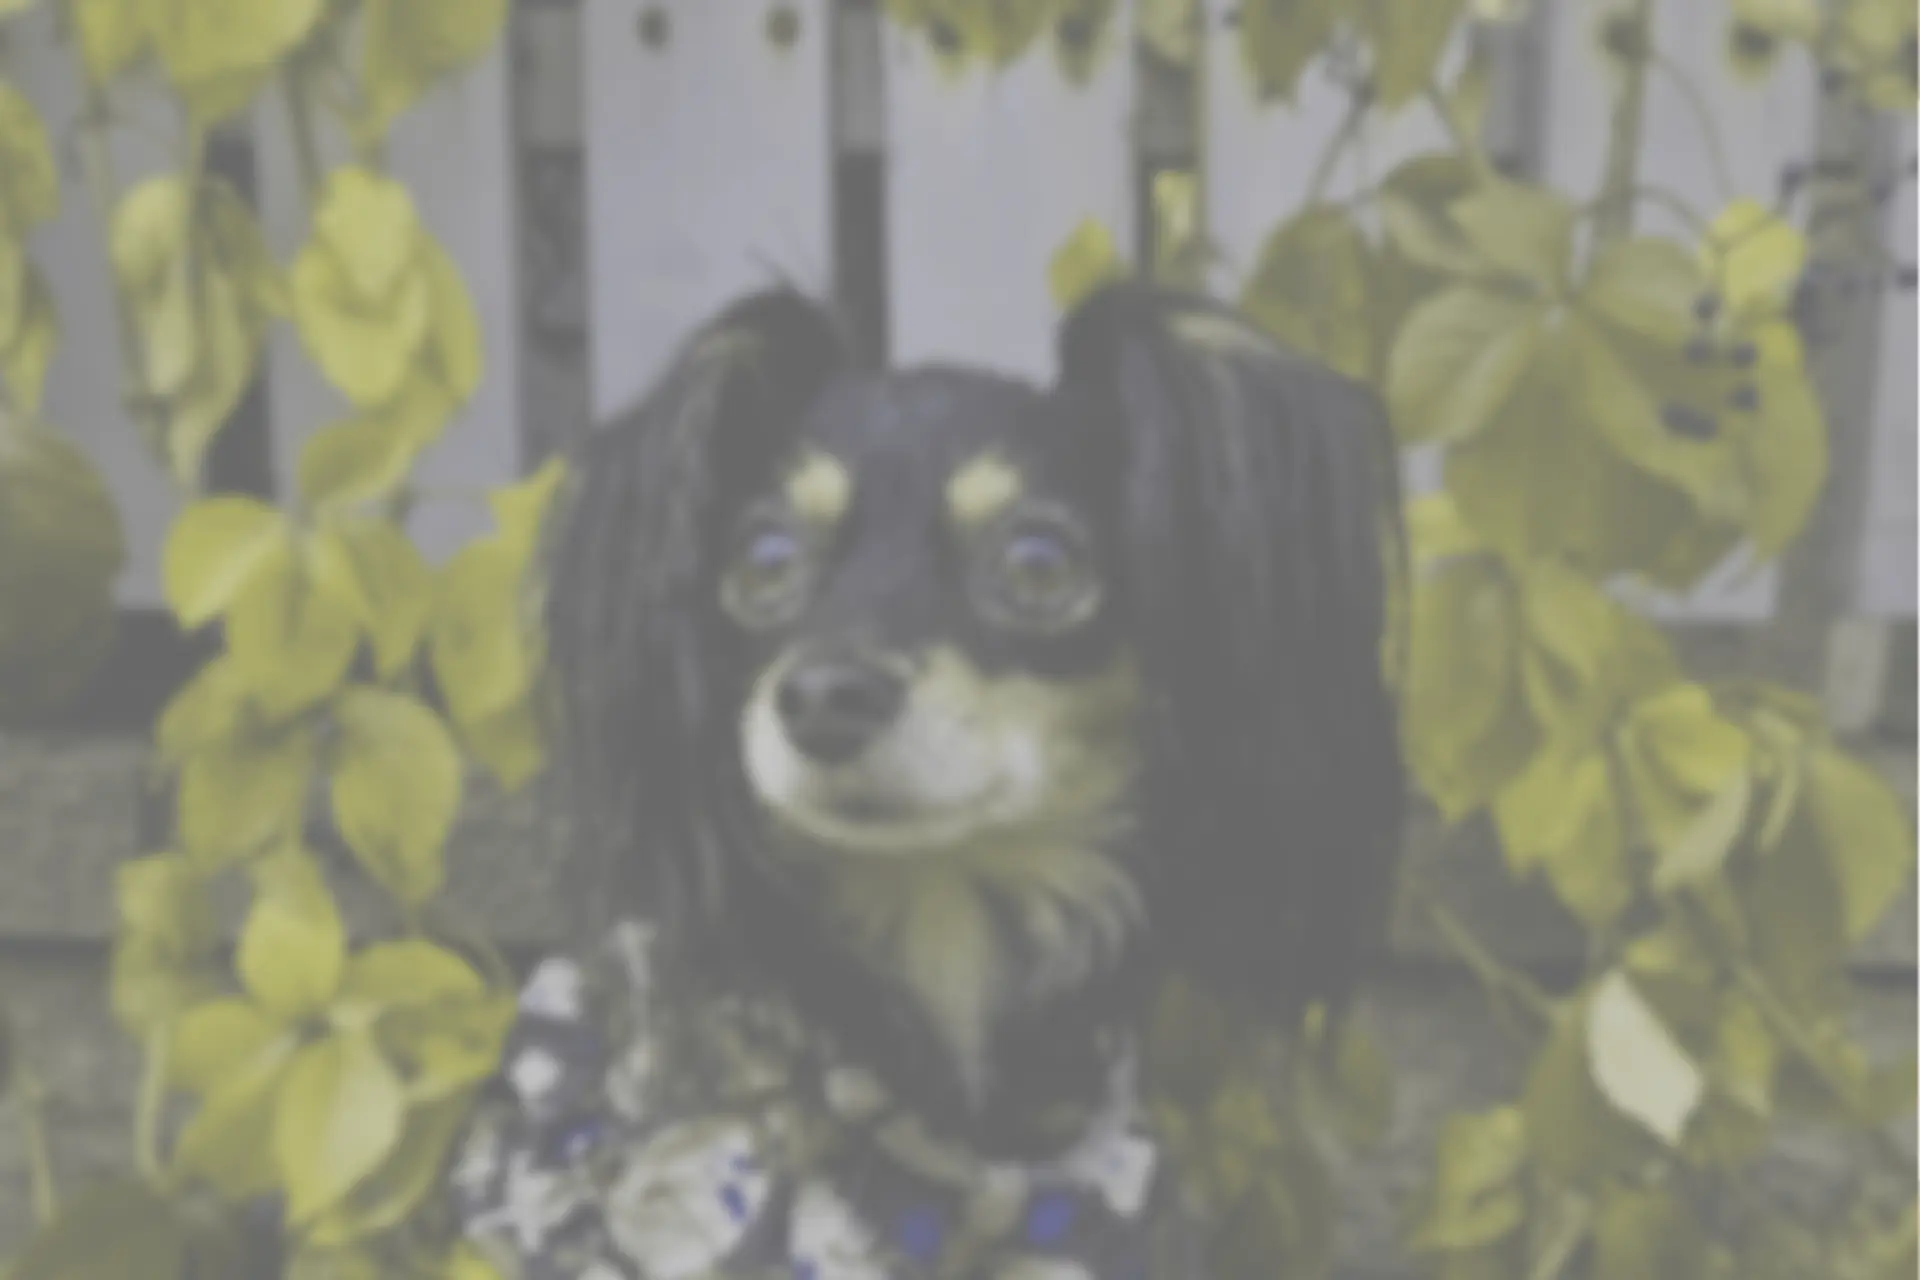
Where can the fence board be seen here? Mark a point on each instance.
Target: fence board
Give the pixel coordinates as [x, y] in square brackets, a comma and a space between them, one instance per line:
[1750, 131]
[1260, 160]
[709, 166]
[988, 175]
[454, 152]
[85, 385]
[1884, 584]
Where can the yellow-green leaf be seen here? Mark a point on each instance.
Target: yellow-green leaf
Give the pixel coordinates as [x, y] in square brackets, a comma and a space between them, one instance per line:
[410, 973]
[369, 224]
[510, 743]
[1310, 289]
[353, 463]
[455, 343]
[396, 789]
[1458, 360]
[1648, 287]
[293, 946]
[520, 509]
[1697, 854]
[405, 1179]
[1280, 38]
[1865, 831]
[161, 899]
[112, 33]
[1645, 1235]
[1085, 261]
[1416, 202]
[239, 797]
[225, 1141]
[1756, 258]
[32, 191]
[1476, 1195]
[220, 1039]
[1408, 37]
[412, 43]
[226, 346]
[1785, 448]
[338, 1116]
[218, 52]
[372, 562]
[1637, 1063]
[1520, 230]
[478, 634]
[292, 630]
[213, 552]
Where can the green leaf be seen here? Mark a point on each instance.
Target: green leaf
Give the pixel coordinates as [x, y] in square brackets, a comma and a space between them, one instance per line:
[1679, 752]
[520, 509]
[1644, 1235]
[407, 974]
[1310, 289]
[1624, 402]
[1476, 1196]
[1352, 1084]
[1756, 258]
[218, 52]
[1467, 731]
[1416, 204]
[375, 566]
[1745, 1055]
[1458, 361]
[412, 43]
[1785, 449]
[228, 345]
[403, 1182]
[224, 1142]
[27, 354]
[478, 634]
[111, 34]
[215, 549]
[162, 898]
[449, 1047]
[292, 630]
[510, 743]
[1865, 832]
[61, 547]
[122, 1229]
[239, 797]
[1798, 909]
[363, 291]
[1574, 659]
[1083, 32]
[338, 1116]
[1636, 1062]
[1520, 230]
[396, 789]
[1280, 38]
[454, 344]
[293, 946]
[1588, 865]
[32, 193]
[1701, 849]
[354, 463]
[1646, 287]
[1574, 1132]
[216, 1042]
[1085, 261]
[1408, 37]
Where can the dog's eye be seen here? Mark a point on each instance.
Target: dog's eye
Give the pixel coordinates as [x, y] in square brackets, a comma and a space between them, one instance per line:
[1042, 575]
[768, 578]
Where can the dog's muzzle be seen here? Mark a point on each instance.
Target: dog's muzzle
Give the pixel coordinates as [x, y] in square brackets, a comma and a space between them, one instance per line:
[834, 705]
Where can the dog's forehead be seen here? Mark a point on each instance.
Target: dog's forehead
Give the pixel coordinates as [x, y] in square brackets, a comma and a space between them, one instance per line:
[927, 424]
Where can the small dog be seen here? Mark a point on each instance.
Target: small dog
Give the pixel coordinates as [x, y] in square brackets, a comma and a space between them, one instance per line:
[940, 718]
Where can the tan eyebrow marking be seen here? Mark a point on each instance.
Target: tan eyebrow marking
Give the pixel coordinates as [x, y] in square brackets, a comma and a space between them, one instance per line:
[983, 488]
[820, 488]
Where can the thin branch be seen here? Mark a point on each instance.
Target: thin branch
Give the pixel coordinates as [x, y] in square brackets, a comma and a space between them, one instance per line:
[1615, 219]
[151, 1101]
[1493, 975]
[1703, 117]
[1358, 102]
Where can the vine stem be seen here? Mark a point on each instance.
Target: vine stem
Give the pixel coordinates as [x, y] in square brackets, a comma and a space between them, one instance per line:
[1358, 102]
[1615, 216]
[27, 1098]
[306, 134]
[1493, 975]
[152, 1098]
[1703, 119]
[103, 185]
[1462, 137]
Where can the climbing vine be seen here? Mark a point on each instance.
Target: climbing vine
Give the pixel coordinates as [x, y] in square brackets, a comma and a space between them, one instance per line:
[1614, 406]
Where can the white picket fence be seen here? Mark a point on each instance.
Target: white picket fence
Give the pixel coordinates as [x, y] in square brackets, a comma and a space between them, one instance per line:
[709, 156]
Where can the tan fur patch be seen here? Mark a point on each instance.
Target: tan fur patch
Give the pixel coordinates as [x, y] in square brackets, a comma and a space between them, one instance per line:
[982, 489]
[820, 488]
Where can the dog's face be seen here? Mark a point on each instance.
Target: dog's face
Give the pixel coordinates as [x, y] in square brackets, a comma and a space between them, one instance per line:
[924, 598]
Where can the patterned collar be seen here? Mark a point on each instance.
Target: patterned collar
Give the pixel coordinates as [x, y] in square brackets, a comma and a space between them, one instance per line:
[632, 1137]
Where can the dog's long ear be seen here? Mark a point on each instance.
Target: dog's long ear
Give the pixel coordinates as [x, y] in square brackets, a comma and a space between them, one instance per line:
[1260, 514]
[628, 567]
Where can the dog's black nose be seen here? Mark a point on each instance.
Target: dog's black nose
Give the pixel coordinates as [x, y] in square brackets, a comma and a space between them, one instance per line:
[834, 707]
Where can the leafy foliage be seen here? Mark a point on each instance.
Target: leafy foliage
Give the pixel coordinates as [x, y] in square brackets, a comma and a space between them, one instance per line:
[1614, 408]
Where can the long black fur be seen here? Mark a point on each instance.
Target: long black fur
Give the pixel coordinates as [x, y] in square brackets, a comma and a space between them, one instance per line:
[1259, 507]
